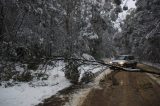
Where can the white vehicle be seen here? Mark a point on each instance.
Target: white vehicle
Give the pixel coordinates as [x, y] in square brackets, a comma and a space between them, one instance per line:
[124, 61]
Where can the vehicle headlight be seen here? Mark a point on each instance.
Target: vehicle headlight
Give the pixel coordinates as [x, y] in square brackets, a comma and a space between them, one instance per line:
[110, 62]
[121, 63]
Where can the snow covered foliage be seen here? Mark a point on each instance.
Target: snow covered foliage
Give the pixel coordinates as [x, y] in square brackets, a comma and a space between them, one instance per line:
[88, 72]
[121, 16]
[140, 35]
[118, 2]
[82, 70]
[34, 31]
[88, 57]
[71, 71]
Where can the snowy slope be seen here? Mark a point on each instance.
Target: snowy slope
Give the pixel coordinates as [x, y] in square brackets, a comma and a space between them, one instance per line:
[30, 94]
[34, 92]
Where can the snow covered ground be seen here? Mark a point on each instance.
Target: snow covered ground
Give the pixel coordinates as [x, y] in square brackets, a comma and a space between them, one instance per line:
[157, 65]
[32, 93]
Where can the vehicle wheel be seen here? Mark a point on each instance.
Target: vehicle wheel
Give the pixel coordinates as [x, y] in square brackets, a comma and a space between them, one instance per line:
[134, 66]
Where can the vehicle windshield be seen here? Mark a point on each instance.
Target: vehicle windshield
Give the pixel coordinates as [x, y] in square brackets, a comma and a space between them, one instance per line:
[124, 58]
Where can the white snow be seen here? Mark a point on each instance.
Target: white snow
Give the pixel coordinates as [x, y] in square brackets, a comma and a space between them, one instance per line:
[154, 78]
[130, 69]
[92, 68]
[32, 93]
[88, 57]
[157, 65]
[130, 4]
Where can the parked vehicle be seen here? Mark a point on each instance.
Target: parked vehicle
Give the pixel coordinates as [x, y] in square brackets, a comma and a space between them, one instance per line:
[124, 61]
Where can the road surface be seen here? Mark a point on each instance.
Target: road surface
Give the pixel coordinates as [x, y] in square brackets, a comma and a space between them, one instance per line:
[125, 89]
[116, 89]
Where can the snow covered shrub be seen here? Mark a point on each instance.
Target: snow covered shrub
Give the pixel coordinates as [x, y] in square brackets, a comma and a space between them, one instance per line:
[42, 76]
[6, 72]
[125, 8]
[118, 2]
[32, 66]
[118, 9]
[87, 77]
[71, 71]
[24, 77]
[8, 84]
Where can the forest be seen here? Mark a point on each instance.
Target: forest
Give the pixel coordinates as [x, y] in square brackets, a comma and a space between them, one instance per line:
[34, 31]
[35, 34]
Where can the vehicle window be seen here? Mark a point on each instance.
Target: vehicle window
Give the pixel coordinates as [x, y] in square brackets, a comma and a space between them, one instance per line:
[124, 58]
[130, 57]
[120, 58]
